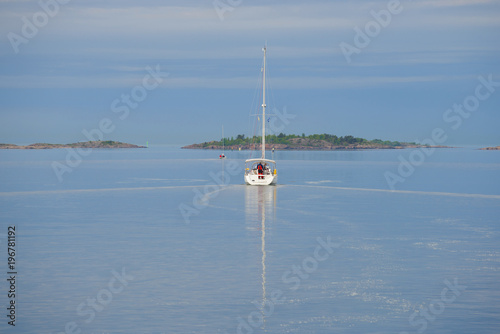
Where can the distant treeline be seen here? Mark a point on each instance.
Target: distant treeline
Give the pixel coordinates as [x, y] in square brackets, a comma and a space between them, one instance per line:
[282, 138]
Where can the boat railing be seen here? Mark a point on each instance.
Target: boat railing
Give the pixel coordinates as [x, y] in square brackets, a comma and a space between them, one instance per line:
[256, 172]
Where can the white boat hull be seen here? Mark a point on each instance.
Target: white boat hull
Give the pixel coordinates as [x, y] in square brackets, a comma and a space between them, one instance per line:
[265, 180]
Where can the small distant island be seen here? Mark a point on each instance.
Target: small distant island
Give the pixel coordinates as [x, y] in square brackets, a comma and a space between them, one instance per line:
[491, 148]
[311, 142]
[88, 144]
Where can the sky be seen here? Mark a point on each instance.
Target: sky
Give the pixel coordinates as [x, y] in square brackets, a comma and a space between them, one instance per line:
[175, 72]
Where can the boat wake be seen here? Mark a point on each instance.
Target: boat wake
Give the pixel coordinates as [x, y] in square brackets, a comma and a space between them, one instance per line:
[415, 192]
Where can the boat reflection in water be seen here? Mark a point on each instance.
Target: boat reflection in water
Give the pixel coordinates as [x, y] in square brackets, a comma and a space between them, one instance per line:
[260, 212]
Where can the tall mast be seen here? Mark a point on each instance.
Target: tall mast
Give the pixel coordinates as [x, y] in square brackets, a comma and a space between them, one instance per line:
[264, 107]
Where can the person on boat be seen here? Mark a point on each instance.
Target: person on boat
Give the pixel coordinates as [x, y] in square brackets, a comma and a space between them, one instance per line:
[260, 170]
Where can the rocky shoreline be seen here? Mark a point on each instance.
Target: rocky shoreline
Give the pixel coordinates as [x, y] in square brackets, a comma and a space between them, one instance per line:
[319, 147]
[88, 144]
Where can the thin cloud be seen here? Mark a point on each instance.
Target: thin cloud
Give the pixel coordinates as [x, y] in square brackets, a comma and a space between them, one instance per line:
[293, 82]
[454, 3]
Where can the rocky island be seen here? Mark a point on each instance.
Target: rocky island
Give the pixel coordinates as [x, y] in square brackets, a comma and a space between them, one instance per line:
[88, 144]
[491, 148]
[311, 142]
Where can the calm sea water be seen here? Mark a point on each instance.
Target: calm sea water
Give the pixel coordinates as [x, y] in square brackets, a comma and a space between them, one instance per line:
[163, 240]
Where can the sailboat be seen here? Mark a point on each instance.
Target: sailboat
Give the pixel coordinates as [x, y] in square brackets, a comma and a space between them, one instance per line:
[222, 156]
[261, 172]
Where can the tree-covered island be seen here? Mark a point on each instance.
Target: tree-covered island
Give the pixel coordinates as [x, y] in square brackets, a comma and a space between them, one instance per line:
[87, 144]
[303, 142]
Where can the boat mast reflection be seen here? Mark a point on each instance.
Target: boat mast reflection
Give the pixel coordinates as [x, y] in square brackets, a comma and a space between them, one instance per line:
[260, 209]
